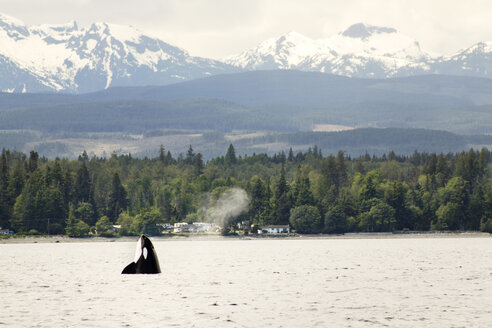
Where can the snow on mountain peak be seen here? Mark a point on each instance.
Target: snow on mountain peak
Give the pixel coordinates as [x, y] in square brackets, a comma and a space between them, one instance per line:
[284, 52]
[9, 20]
[61, 28]
[293, 37]
[361, 50]
[363, 31]
[67, 57]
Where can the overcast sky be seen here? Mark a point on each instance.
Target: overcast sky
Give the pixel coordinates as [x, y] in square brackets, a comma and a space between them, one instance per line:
[218, 28]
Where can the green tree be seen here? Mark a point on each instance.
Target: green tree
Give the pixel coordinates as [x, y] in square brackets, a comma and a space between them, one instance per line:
[302, 189]
[336, 220]
[147, 222]
[117, 199]
[33, 161]
[281, 201]
[103, 225]
[329, 172]
[198, 165]
[162, 155]
[30, 207]
[85, 213]
[259, 206]
[16, 181]
[454, 199]
[126, 221]
[4, 192]
[477, 209]
[341, 169]
[305, 219]
[395, 195]
[164, 202]
[82, 185]
[74, 226]
[230, 157]
[380, 217]
[190, 156]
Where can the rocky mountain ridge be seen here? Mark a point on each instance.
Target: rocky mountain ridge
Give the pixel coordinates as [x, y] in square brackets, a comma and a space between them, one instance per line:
[73, 59]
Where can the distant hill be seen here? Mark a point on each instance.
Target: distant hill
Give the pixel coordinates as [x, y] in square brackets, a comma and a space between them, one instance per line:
[313, 89]
[283, 107]
[210, 144]
[139, 116]
[31, 100]
[265, 100]
[380, 141]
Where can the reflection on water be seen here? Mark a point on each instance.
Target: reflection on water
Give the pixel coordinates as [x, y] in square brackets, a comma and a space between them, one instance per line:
[418, 282]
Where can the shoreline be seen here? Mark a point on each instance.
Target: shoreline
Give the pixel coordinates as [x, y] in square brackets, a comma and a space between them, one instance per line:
[217, 237]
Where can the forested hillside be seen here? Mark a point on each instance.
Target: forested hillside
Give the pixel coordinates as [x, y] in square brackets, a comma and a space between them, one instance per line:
[261, 111]
[333, 194]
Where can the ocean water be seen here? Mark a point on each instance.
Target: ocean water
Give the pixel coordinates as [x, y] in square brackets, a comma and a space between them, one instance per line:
[414, 282]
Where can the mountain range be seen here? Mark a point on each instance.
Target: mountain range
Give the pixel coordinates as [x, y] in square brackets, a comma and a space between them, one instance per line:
[73, 59]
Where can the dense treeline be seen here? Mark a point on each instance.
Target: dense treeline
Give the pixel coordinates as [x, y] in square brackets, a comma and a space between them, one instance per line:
[333, 194]
[378, 140]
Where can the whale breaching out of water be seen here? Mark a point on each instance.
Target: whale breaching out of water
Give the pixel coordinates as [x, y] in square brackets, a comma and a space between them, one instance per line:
[145, 258]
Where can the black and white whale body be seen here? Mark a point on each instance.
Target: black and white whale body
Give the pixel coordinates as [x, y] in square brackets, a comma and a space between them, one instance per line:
[145, 258]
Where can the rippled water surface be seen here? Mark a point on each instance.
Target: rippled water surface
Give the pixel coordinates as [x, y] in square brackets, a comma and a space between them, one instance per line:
[416, 282]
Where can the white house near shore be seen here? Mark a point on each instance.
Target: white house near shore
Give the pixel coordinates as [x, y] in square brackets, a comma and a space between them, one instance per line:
[276, 229]
[195, 227]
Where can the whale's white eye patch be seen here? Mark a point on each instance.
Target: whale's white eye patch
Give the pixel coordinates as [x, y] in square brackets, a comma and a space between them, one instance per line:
[145, 252]
[138, 250]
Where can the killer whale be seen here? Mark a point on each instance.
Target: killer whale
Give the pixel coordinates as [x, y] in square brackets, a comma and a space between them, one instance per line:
[145, 258]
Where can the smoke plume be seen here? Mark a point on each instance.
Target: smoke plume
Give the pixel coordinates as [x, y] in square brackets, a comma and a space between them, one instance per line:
[229, 205]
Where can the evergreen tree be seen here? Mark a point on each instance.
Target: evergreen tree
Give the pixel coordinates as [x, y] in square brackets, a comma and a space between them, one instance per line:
[341, 169]
[84, 157]
[477, 209]
[329, 172]
[305, 219]
[169, 159]
[359, 167]
[74, 226]
[230, 157]
[290, 158]
[164, 203]
[198, 165]
[336, 220]
[16, 181]
[117, 199]
[302, 190]
[454, 199]
[162, 155]
[71, 225]
[4, 192]
[33, 161]
[30, 207]
[190, 155]
[259, 206]
[395, 196]
[82, 188]
[281, 201]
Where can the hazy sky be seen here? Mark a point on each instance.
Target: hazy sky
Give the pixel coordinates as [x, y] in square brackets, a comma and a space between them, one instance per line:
[218, 28]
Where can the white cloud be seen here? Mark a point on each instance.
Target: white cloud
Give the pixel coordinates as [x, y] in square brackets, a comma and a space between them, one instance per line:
[218, 28]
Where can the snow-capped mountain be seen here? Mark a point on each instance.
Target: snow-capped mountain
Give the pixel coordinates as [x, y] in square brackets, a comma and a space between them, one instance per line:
[361, 50]
[473, 61]
[285, 52]
[69, 58]
[364, 51]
